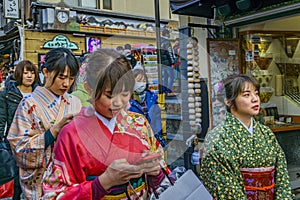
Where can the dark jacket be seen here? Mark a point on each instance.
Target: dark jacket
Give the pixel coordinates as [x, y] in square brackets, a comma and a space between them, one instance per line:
[154, 114]
[8, 79]
[127, 53]
[167, 56]
[9, 98]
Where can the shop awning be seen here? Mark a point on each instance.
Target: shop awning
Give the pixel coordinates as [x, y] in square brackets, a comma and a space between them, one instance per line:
[236, 12]
[6, 43]
[193, 8]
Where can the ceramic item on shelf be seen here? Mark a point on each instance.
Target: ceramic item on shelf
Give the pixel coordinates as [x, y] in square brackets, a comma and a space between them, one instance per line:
[268, 120]
[264, 77]
[265, 94]
[264, 62]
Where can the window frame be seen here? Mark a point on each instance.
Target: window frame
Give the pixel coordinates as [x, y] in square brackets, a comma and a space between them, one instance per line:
[109, 2]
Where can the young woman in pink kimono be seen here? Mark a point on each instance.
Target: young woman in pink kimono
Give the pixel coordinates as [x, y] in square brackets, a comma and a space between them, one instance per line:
[242, 158]
[39, 118]
[98, 155]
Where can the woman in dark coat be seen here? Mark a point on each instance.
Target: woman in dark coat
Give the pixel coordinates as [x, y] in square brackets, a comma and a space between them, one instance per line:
[25, 81]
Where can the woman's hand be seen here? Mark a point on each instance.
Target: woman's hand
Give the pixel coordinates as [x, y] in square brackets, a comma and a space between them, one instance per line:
[150, 166]
[57, 127]
[119, 172]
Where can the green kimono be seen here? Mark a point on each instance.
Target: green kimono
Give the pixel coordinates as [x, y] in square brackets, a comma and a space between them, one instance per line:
[230, 147]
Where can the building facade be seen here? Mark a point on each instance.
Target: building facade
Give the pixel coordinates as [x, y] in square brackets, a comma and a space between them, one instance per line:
[30, 28]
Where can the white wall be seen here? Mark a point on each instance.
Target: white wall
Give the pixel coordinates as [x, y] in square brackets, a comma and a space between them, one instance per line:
[143, 8]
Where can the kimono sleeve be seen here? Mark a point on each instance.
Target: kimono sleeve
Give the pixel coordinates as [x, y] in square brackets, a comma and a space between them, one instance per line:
[65, 177]
[156, 147]
[220, 175]
[26, 136]
[282, 186]
[154, 144]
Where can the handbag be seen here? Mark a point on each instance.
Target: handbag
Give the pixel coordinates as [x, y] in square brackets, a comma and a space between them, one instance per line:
[8, 165]
[187, 187]
[8, 171]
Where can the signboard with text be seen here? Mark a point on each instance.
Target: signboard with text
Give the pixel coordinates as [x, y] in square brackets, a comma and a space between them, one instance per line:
[11, 9]
[60, 41]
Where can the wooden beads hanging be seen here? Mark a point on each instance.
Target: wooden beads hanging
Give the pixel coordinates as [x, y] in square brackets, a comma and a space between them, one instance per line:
[194, 90]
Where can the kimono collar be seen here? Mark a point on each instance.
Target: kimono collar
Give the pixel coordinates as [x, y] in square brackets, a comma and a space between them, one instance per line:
[250, 129]
[110, 124]
[57, 99]
[230, 117]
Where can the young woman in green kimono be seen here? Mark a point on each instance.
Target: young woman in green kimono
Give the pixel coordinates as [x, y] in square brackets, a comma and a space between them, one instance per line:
[242, 158]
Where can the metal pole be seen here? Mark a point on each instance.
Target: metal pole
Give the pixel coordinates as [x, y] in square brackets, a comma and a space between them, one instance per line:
[22, 13]
[158, 41]
[161, 95]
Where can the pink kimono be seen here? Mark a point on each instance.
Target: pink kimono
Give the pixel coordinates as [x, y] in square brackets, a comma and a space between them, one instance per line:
[85, 147]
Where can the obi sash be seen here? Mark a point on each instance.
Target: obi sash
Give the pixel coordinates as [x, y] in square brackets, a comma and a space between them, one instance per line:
[134, 190]
[259, 182]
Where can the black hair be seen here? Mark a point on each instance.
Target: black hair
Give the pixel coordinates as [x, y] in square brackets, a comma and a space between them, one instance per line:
[108, 68]
[119, 48]
[165, 31]
[127, 46]
[195, 39]
[136, 71]
[29, 66]
[234, 85]
[58, 59]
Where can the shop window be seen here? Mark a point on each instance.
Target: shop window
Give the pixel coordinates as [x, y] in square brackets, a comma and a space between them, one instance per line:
[71, 3]
[81, 3]
[107, 4]
[88, 3]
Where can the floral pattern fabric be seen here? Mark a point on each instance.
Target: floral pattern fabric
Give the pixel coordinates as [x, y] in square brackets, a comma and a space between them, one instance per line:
[34, 116]
[230, 147]
[85, 147]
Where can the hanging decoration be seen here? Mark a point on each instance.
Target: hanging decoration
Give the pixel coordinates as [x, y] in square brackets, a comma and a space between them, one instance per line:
[194, 91]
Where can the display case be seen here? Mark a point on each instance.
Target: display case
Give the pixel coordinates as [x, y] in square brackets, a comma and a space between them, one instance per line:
[273, 58]
[150, 64]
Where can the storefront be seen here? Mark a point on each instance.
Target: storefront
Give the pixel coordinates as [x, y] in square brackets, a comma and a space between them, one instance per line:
[266, 44]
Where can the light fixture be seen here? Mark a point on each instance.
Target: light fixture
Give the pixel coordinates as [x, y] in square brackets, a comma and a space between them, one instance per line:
[224, 10]
[243, 4]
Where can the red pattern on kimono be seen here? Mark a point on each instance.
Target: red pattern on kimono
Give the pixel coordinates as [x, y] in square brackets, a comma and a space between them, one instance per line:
[85, 147]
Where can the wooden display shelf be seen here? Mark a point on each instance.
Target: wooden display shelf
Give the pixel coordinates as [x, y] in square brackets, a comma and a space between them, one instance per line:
[295, 125]
[283, 128]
